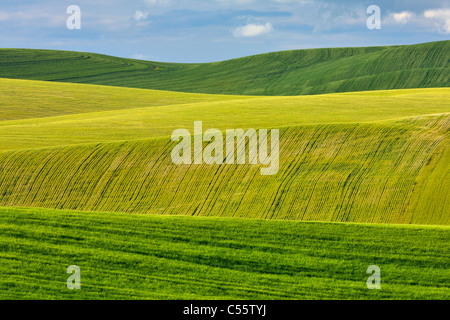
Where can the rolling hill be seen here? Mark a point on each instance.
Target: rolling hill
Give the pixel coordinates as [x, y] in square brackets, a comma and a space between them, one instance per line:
[47, 114]
[296, 72]
[331, 168]
[86, 176]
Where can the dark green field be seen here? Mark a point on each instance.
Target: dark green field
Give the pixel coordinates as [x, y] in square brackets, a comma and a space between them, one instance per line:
[124, 256]
[295, 72]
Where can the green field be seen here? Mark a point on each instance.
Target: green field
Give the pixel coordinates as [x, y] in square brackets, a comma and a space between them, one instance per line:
[294, 72]
[86, 176]
[156, 257]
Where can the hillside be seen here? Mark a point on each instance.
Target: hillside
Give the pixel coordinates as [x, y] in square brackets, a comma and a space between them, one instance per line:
[296, 72]
[379, 156]
[337, 172]
[48, 114]
[157, 257]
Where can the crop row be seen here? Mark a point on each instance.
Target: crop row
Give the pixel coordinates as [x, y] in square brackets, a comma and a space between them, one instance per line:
[125, 256]
[354, 172]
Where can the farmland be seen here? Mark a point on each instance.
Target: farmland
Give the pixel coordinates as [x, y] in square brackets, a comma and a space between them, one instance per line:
[161, 257]
[351, 172]
[46, 114]
[331, 168]
[295, 72]
[86, 176]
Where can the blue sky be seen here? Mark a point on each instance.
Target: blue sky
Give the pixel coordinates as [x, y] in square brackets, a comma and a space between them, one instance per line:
[213, 30]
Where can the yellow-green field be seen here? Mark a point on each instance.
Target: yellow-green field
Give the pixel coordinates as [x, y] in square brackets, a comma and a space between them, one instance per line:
[89, 114]
[377, 156]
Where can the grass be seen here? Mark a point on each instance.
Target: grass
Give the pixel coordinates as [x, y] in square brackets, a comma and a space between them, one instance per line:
[42, 114]
[296, 72]
[159, 257]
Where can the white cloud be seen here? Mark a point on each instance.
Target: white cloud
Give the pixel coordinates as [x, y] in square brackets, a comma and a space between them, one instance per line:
[253, 30]
[139, 15]
[441, 18]
[235, 1]
[439, 13]
[402, 17]
[157, 2]
[295, 1]
[140, 56]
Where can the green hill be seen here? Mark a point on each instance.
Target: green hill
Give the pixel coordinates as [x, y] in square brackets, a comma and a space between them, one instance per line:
[296, 72]
[124, 256]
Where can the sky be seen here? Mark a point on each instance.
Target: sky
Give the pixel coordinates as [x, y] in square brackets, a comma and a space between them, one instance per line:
[215, 30]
